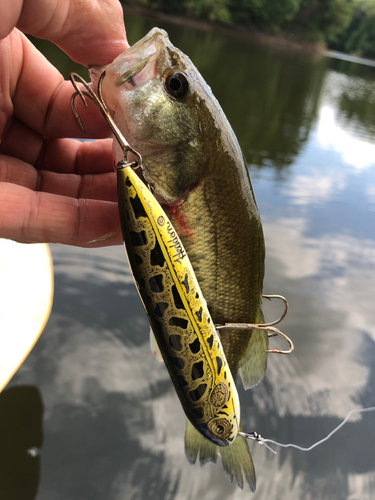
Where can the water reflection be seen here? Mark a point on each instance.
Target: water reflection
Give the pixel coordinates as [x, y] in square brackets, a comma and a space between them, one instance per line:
[113, 425]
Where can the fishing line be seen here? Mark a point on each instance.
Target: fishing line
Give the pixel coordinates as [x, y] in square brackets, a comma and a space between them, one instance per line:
[257, 437]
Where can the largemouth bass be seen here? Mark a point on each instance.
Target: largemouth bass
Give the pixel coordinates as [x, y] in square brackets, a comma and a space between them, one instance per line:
[193, 162]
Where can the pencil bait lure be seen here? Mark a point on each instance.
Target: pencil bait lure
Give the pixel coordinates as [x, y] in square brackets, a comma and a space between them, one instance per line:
[177, 312]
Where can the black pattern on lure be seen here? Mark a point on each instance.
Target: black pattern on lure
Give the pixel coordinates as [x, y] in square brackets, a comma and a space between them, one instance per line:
[177, 312]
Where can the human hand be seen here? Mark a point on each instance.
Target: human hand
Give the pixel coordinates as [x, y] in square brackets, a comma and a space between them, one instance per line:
[55, 189]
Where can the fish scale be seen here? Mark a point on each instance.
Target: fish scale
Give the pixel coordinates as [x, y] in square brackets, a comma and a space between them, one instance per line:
[223, 248]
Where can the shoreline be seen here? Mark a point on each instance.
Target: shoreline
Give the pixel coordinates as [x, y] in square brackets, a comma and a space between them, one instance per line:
[283, 42]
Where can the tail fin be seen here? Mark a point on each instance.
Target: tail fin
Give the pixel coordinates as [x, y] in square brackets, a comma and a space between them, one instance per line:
[238, 464]
[236, 458]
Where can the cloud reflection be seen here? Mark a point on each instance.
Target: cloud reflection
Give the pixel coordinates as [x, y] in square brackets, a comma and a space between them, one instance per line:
[357, 152]
[315, 187]
[343, 134]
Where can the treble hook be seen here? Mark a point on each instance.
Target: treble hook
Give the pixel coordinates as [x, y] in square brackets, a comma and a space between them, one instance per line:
[264, 326]
[99, 102]
[270, 297]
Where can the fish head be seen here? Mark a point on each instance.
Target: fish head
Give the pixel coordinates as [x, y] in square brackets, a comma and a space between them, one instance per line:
[158, 100]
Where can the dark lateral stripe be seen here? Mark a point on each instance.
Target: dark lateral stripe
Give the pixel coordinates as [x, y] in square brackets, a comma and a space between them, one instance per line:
[138, 208]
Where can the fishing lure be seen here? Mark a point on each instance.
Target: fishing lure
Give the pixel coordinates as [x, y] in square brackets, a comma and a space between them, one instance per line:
[173, 301]
[177, 312]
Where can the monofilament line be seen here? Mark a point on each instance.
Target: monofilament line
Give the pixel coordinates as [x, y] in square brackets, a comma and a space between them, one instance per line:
[257, 437]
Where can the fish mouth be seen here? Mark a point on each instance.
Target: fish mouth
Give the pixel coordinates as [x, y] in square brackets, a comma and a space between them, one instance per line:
[133, 68]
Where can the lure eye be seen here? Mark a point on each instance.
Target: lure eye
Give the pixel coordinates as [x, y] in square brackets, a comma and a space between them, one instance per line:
[176, 84]
[220, 428]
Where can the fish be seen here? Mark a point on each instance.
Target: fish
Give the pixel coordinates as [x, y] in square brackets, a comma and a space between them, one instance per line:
[198, 174]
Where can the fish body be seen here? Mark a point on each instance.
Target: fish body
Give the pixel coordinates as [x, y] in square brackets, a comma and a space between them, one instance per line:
[193, 162]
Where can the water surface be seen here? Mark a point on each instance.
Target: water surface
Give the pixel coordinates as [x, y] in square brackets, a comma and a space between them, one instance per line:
[112, 425]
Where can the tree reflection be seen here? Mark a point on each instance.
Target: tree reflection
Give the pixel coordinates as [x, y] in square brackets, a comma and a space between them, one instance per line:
[269, 96]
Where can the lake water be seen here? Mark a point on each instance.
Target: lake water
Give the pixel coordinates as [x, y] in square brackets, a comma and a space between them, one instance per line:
[112, 425]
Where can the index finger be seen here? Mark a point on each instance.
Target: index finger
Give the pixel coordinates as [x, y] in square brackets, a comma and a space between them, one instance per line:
[89, 31]
[41, 98]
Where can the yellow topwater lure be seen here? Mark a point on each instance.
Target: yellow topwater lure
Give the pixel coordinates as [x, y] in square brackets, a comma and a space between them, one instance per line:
[177, 312]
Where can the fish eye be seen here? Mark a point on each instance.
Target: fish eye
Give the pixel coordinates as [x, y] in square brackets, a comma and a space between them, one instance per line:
[176, 84]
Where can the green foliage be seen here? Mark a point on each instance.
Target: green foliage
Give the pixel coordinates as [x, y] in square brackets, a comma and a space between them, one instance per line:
[321, 19]
[273, 13]
[347, 25]
[359, 35]
[214, 10]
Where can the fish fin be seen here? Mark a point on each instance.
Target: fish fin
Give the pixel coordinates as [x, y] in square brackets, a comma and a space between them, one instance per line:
[196, 444]
[154, 346]
[238, 464]
[236, 458]
[254, 362]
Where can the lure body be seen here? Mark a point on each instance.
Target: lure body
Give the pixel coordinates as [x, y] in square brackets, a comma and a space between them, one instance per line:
[177, 312]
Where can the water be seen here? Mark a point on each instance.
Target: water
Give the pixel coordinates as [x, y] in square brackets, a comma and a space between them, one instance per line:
[112, 425]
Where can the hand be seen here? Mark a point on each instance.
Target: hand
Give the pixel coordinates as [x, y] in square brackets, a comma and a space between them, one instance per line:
[55, 189]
